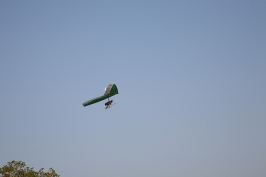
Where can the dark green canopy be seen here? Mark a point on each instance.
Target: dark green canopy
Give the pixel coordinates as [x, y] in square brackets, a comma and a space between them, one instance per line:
[111, 90]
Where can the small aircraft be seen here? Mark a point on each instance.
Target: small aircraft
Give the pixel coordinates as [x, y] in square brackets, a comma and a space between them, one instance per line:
[111, 90]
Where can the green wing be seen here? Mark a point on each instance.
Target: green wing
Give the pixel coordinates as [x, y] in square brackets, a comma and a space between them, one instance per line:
[111, 90]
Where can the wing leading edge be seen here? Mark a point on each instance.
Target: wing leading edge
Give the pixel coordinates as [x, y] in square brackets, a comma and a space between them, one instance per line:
[111, 90]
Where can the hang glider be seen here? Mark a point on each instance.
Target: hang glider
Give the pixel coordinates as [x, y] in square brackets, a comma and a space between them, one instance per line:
[110, 91]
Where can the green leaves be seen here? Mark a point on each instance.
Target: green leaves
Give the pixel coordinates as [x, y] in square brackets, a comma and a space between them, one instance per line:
[19, 169]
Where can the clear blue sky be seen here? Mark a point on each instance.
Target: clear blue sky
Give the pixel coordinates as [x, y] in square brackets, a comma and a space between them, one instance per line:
[191, 77]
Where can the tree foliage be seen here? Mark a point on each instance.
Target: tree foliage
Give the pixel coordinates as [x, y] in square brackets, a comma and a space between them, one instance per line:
[19, 169]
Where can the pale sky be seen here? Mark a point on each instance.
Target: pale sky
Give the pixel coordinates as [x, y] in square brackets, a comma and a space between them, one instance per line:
[191, 77]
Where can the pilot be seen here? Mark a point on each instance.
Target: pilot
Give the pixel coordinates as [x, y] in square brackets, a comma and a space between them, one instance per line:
[108, 103]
